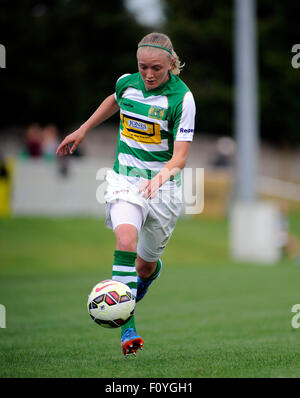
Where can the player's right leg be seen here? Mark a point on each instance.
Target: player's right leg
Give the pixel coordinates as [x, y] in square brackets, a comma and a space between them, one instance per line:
[126, 220]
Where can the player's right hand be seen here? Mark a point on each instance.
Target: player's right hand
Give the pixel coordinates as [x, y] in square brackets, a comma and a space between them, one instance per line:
[66, 147]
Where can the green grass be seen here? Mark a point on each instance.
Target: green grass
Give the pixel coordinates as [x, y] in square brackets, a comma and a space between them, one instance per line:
[206, 316]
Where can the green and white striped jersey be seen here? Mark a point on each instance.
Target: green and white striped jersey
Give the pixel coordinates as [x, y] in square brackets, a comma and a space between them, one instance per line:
[150, 122]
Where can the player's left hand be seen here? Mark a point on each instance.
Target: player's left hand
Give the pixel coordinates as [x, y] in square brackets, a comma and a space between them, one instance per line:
[149, 188]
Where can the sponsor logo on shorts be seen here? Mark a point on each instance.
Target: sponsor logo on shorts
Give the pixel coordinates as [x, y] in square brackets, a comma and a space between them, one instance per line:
[121, 191]
[164, 243]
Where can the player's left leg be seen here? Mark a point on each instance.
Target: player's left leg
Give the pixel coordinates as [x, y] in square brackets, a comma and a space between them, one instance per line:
[154, 236]
[147, 273]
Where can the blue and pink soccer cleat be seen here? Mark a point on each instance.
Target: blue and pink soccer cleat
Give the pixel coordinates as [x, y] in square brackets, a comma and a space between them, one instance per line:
[142, 288]
[131, 342]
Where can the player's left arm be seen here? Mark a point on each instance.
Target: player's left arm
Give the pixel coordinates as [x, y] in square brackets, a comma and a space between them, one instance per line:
[150, 188]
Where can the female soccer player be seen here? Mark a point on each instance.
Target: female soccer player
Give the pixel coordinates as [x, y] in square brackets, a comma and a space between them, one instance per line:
[143, 197]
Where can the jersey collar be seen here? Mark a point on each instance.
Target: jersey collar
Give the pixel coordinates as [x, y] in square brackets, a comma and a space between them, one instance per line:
[156, 90]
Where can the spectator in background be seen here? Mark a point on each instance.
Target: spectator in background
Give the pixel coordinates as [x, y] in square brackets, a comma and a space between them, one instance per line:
[33, 141]
[49, 141]
[225, 151]
[287, 241]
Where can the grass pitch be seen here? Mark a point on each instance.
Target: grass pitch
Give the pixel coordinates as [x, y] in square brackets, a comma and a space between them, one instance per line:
[204, 317]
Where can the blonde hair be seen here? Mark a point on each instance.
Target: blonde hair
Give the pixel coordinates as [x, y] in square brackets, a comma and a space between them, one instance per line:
[163, 42]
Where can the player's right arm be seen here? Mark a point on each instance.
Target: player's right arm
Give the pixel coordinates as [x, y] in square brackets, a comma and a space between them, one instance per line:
[106, 109]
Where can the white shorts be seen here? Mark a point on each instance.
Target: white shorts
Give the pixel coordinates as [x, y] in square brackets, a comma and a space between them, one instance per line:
[155, 219]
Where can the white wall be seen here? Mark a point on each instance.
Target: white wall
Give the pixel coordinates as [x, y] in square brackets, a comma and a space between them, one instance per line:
[40, 189]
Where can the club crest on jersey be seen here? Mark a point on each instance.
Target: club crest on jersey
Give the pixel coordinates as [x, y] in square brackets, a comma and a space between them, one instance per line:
[157, 112]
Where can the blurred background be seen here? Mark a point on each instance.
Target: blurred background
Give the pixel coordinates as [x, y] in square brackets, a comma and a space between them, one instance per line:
[63, 58]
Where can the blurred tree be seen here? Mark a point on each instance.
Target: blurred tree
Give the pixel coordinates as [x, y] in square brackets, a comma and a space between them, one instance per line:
[63, 58]
[202, 33]
[279, 30]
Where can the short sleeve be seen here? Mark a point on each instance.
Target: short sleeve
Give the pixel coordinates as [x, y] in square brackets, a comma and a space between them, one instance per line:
[119, 85]
[185, 120]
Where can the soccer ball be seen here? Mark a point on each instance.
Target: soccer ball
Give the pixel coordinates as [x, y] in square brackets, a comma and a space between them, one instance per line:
[111, 304]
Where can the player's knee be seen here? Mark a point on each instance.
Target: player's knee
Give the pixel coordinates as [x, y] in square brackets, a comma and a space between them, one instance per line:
[126, 239]
[126, 244]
